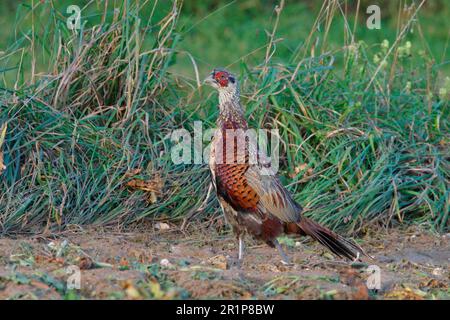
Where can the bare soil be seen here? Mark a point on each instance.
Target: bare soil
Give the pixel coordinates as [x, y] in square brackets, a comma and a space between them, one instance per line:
[169, 264]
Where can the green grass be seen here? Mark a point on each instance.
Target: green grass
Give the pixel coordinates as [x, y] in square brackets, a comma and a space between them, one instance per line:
[364, 139]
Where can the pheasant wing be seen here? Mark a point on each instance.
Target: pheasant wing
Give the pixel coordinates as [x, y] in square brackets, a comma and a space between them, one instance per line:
[273, 197]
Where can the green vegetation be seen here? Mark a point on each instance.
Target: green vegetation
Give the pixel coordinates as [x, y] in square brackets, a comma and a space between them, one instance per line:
[363, 114]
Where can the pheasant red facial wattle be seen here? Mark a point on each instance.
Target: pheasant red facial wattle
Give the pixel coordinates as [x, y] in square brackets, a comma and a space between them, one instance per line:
[222, 78]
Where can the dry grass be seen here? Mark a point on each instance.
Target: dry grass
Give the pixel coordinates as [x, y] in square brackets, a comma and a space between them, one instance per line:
[360, 145]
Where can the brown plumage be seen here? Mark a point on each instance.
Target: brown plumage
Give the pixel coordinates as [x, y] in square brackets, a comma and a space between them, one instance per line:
[254, 202]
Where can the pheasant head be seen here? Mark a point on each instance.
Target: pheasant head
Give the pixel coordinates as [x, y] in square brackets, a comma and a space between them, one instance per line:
[227, 86]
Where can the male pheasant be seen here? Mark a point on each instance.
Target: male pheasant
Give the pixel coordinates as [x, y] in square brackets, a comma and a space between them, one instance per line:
[253, 201]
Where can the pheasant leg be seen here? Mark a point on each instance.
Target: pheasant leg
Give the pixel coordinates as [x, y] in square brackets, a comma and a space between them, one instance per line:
[284, 258]
[241, 249]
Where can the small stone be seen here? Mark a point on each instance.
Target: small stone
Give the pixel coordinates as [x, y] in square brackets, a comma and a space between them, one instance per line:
[165, 263]
[162, 226]
[437, 272]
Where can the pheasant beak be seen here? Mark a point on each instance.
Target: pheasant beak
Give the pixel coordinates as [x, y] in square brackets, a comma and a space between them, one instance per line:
[210, 81]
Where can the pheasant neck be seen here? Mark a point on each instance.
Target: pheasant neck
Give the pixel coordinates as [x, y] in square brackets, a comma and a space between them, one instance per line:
[231, 113]
[227, 96]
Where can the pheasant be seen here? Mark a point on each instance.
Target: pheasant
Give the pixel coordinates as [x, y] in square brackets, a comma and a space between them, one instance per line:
[254, 202]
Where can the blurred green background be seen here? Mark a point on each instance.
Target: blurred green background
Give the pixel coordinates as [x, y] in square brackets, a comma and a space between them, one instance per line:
[224, 33]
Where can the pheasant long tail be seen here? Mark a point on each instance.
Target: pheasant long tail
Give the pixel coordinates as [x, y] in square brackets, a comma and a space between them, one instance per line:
[334, 242]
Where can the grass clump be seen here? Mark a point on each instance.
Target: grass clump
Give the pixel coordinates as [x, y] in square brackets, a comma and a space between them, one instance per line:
[76, 134]
[365, 128]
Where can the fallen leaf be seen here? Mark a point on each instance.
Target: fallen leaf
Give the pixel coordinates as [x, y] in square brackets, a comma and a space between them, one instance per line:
[131, 290]
[406, 294]
[152, 198]
[300, 167]
[269, 268]
[162, 226]
[133, 172]
[219, 261]
[155, 289]
[154, 185]
[328, 256]
[433, 283]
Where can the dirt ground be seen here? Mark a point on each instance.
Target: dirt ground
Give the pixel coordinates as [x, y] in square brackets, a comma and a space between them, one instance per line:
[163, 263]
